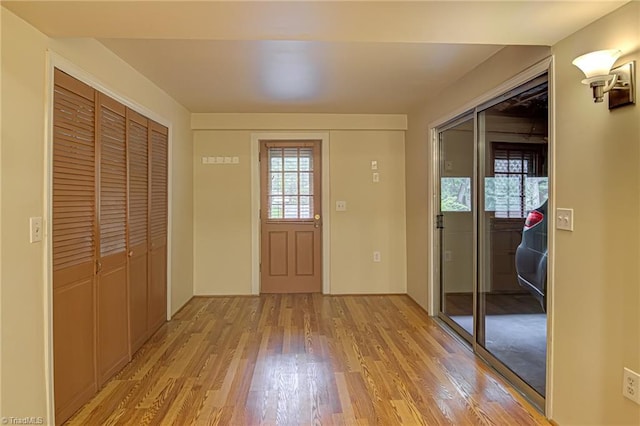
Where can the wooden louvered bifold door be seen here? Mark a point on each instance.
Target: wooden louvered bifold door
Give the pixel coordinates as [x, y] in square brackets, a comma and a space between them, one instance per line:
[112, 300]
[138, 158]
[158, 226]
[74, 244]
[109, 236]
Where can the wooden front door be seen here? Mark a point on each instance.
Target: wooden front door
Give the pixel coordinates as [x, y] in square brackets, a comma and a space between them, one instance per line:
[291, 225]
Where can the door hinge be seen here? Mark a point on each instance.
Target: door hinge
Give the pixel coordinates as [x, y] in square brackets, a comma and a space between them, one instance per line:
[440, 221]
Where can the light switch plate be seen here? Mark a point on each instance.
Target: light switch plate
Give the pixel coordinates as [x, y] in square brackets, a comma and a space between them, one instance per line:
[341, 206]
[376, 177]
[205, 160]
[374, 165]
[564, 219]
[235, 160]
[35, 232]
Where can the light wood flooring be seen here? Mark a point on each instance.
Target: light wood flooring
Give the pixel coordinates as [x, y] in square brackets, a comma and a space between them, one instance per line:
[305, 359]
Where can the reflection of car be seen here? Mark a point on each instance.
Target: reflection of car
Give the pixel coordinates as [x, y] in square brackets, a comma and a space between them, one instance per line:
[531, 255]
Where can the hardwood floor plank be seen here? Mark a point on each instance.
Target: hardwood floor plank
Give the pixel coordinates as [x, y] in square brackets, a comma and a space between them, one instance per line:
[305, 359]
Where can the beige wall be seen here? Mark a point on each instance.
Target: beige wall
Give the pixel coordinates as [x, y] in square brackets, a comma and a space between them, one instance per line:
[375, 219]
[596, 294]
[375, 216]
[24, 73]
[496, 70]
[222, 214]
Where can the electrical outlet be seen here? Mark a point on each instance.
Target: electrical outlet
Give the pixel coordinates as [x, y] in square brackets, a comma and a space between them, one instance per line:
[631, 385]
[376, 256]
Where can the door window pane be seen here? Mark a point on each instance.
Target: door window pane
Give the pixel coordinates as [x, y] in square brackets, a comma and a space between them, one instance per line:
[290, 189]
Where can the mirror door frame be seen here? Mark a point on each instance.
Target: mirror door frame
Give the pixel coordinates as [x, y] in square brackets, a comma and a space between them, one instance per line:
[472, 109]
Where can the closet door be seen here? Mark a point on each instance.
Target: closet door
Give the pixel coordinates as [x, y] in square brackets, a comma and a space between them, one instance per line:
[74, 244]
[112, 307]
[158, 225]
[138, 158]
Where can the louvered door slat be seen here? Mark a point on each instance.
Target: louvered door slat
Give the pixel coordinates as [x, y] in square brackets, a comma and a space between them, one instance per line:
[112, 318]
[138, 158]
[159, 144]
[138, 186]
[74, 243]
[158, 226]
[113, 180]
[75, 193]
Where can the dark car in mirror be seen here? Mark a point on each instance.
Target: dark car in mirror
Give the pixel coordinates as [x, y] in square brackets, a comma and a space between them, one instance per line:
[531, 254]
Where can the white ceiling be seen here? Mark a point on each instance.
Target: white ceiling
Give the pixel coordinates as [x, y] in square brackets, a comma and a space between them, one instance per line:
[308, 56]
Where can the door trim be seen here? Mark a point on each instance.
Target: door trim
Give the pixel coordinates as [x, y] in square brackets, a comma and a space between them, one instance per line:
[255, 202]
[54, 60]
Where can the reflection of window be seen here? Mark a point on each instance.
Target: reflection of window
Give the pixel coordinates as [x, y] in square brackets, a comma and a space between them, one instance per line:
[455, 194]
[290, 183]
[517, 185]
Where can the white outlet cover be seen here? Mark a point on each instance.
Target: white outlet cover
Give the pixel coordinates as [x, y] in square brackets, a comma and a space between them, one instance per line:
[631, 385]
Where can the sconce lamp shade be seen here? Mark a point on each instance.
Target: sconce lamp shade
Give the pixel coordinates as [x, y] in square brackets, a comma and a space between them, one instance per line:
[597, 63]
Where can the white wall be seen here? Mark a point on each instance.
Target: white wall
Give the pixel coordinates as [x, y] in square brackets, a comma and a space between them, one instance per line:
[375, 219]
[24, 74]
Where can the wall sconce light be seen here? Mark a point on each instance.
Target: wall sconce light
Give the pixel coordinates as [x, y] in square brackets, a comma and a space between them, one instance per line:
[618, 82]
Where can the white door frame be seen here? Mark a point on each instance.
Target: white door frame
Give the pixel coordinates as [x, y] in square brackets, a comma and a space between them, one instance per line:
[255, 202]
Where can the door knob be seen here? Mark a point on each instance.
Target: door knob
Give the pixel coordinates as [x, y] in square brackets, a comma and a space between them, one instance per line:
[317, 217]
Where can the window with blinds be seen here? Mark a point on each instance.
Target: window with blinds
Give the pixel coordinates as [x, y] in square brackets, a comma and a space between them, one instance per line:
[290, 191]
[516, 185]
